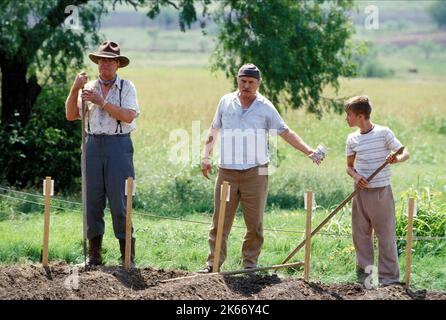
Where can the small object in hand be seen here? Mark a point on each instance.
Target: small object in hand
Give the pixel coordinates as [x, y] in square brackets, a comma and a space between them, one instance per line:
[320, 153]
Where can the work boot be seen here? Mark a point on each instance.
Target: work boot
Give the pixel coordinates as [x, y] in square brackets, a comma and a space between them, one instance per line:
[132, 252]
[94, 254]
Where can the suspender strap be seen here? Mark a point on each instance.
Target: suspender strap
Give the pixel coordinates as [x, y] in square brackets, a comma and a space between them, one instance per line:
[120, 104]
[88, 118]
[88, 122]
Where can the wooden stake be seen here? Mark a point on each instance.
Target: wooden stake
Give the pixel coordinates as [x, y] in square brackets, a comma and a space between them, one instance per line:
[128, 219]
[228, 273]
[46, 223]
[220, 226]
[308, 235]
[411, 210]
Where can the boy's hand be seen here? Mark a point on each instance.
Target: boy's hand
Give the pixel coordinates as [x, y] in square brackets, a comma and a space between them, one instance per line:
[361, 182]
[392, 158]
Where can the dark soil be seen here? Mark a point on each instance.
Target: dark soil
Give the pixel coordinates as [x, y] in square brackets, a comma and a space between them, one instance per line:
[34, 282]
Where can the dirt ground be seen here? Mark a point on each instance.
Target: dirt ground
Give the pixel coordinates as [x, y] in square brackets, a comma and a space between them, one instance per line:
[63, 281]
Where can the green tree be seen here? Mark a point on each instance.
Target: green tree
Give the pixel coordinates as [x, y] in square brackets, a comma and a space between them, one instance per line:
[438, 13]
[368, 63]
[429, 47]
[36, 49]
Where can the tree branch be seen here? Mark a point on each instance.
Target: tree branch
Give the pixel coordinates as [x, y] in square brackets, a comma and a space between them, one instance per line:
[42, 30]
[131, 2]
[172, 4]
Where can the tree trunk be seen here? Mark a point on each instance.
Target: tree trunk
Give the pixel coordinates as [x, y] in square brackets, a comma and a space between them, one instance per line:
[18, 93]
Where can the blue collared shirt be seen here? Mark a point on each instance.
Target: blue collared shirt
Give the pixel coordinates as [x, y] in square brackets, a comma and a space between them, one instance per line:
[244, 135]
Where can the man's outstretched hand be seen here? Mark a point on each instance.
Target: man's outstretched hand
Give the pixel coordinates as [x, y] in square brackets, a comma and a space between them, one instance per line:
[206, 168]
[314, 158]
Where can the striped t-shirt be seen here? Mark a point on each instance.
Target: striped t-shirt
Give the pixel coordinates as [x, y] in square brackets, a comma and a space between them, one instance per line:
[371, 150]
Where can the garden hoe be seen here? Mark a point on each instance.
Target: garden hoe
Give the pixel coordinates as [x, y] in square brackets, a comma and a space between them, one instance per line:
[339, 207]
[84, 180]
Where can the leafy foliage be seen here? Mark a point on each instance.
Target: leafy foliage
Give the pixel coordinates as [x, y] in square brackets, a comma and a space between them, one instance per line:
[37, 49]
[187, 11]
[368, 64]
[48, 145]
[438, 13]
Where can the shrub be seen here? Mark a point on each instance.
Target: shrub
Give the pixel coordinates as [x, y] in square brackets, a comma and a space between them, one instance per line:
[430, 221]
[48, 145]
[369, 65]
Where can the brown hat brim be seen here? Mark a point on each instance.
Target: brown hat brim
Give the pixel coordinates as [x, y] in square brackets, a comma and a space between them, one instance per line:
[123, 60]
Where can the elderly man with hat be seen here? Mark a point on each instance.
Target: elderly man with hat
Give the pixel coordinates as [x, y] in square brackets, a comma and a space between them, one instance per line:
[112, 108]
[245, 119]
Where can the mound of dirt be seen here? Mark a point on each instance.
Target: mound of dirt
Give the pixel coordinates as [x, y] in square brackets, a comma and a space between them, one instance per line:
[63, 281]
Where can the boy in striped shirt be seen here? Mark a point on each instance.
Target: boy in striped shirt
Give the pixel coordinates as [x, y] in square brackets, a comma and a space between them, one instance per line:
[373, 206]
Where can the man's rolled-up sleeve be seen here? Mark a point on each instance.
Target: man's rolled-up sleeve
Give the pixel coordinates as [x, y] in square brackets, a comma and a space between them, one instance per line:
[79, 103]
[216, 122]
[129, 97]
[276, 125]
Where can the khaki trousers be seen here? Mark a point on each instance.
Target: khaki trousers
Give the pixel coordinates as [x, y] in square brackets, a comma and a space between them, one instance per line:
[374, 208]
[250, 189]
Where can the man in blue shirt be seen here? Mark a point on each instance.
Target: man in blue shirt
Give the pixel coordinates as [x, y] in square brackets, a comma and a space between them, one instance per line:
[245, 119]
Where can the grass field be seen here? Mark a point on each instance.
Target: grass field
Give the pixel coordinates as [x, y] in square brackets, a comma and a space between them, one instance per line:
[174, 96]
